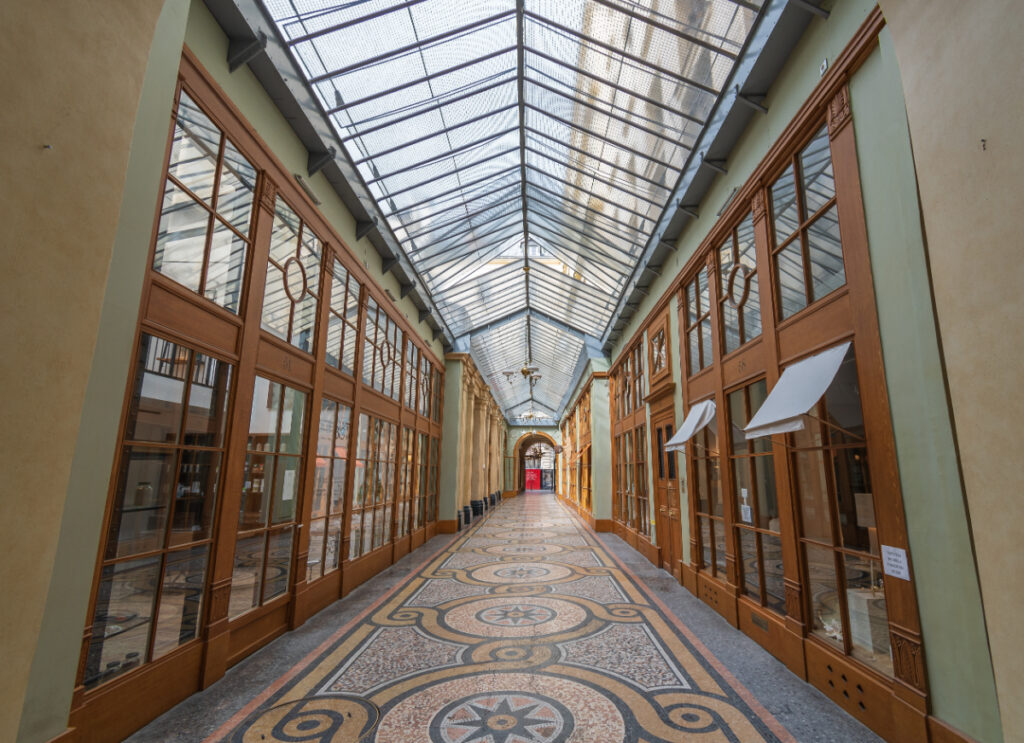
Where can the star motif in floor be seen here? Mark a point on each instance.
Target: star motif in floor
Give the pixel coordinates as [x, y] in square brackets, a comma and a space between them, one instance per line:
[516, 616]
[503, 723]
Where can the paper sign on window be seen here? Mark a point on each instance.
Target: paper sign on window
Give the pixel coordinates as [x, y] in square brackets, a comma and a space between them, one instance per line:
[894, 561]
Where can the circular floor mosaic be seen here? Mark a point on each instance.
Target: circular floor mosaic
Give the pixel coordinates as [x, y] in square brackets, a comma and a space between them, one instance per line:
[520, 572]
[525, 549]
[503, 708]
[518, 534]
[510, 617]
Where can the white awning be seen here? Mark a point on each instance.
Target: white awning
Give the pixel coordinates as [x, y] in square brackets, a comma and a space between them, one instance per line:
[699, 416]
[798, 389]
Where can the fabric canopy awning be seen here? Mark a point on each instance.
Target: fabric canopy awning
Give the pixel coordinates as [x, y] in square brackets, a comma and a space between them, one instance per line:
[798, 389]
[699, 416]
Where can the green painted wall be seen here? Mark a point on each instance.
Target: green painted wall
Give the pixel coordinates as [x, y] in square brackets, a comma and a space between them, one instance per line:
[959, 666]
[52, 677]
[450, 439]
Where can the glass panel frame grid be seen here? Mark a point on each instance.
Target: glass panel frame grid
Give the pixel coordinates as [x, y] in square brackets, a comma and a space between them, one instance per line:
[480, 125]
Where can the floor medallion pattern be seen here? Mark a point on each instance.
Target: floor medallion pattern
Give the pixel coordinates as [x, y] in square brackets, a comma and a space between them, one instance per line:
[523, 630]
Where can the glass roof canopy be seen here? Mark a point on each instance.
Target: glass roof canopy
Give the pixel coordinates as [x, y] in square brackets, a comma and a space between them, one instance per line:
[503, 135]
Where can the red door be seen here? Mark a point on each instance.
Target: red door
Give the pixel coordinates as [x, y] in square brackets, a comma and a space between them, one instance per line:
[533, 479]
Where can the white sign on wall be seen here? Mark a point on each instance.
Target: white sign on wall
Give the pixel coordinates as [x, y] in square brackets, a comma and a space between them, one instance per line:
[894, 562]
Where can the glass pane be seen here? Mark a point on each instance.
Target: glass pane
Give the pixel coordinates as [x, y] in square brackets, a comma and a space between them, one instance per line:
[208, 397]
[181, 599]
[304, 324]
[843, 405]
[181, 238]
[869, 621]
[237, 185]
[314, 561]
[279, 561]
[810, 477]
[247, 576]
[285, 235]
[321, 487]
[292, 419]
[277, 307]
[120, 626]
[194, 149]
[255, 504]
[367, 531]
[705, 542]
[826, 613]
[751, 564]
[286, 488]
[715, 486]
[325, 430]
[856, 504]
[789, 275]
[355, 532]
[195, 497]
[333, 549]
[816, 173]
[767, 502]
[155, 410]
[226, 267]
[784, 208]
[338, 487]
[743, 497]
[139, 520]
[341, 431]
[719, 547]
[705, 340]
[775, 589]
[730, 326]
[335, 330]
[737, 402]
[693, 337]
[826, 254]
[266, 405]
[747, 288]
[669, 456]
[359, 484]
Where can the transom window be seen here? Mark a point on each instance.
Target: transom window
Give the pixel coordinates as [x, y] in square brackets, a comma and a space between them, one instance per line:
[737, 273]
[203, 236]
[343, 319]
[291, 296]
[698, 321]
[382, 351]
[808, 254]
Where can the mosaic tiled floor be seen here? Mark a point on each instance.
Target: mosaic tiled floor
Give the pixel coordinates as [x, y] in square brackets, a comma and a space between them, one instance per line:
[523, 630]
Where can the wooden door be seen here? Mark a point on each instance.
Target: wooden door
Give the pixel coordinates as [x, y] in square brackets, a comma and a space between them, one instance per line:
[666, 493]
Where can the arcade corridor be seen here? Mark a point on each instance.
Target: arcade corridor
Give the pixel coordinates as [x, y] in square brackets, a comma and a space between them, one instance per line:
[528, 628]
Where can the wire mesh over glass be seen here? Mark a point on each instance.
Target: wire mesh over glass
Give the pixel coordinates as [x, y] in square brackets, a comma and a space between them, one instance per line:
[484, 133]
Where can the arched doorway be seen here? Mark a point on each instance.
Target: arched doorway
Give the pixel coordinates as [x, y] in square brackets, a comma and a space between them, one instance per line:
[536, 456]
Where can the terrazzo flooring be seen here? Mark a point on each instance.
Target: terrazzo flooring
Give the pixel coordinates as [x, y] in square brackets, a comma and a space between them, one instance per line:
[526, 628]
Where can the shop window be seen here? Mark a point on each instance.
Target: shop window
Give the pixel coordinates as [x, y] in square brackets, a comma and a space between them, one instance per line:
[758, 531]
[328, 489]
[737, 273]
[808, 255]
[267, 516]
[152, 583]
[203, 237]
[707, 487]
[698, 322]
[343, 319]
[373, 489]
[407, 512]
[837, 517]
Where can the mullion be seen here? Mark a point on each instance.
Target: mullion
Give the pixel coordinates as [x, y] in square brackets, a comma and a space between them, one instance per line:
[419, 81]
[592, 156]
[610, 48]
[461, 187]
[420, 112]
[610, 114]
[418, 45]
[596, 178]
[433, 160]
[602, 137]
[614, 86]
[460, 204]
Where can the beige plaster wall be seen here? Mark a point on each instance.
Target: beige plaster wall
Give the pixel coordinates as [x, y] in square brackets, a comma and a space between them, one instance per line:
[72, 75]
[961, 64]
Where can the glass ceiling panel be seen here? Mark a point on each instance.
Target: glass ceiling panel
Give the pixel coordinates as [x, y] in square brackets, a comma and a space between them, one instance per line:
[494, 140]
